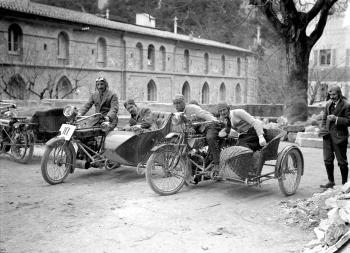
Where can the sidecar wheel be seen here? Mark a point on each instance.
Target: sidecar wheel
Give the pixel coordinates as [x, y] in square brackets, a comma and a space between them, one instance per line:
[56, 163]
[22, 147]
[161, 176]
[289, 168]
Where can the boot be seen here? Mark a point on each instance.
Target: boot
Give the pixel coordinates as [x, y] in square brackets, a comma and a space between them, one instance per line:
[330, 175]
[344, 170]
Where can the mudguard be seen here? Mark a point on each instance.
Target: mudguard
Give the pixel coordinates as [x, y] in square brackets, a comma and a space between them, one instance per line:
[168, 146]
[53, 142]
[281, 156]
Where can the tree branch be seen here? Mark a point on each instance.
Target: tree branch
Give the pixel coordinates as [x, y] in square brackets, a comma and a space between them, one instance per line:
[317, 32]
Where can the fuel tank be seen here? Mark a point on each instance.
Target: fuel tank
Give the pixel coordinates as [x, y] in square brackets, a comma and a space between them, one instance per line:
[130, 148]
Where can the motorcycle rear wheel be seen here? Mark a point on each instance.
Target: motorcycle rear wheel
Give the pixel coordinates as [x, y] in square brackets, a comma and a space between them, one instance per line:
[22, 147]
[166, 172]
[56, 163]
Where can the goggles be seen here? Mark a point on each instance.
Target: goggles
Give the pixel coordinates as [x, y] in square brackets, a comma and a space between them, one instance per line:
[101, 79]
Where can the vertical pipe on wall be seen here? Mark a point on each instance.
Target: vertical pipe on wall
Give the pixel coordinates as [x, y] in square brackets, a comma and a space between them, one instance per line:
[123, 67]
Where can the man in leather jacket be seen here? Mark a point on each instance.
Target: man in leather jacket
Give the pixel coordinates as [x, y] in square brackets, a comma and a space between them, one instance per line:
[105, 101]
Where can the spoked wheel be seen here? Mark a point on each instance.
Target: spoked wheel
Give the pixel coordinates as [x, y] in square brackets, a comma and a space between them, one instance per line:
[56, 163]
[22, 146]
[289, 168]
[166, 172]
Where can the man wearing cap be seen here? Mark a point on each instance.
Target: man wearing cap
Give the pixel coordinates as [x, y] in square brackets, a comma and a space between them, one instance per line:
[334, 129]
[192, 110]
[105, 101]
[250, 130]
[139, 116]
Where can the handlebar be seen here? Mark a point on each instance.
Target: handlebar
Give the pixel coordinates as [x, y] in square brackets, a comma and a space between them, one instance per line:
[80, 118]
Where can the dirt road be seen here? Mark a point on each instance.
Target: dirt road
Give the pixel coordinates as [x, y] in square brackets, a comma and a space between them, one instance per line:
[115, 211]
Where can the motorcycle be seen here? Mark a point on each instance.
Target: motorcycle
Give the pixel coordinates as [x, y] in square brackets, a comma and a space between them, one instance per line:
[16, 138]
[84, 142]
[184, 159]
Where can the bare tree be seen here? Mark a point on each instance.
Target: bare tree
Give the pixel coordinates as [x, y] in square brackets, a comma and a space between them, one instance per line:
[21, 78]
[291, 24]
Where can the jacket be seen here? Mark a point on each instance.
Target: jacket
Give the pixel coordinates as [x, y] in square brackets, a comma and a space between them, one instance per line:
[108, 105]
[338, 129]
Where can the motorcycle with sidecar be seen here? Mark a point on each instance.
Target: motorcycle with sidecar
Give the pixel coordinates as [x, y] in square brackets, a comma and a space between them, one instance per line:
[183, 159]
[16, 136]
[19, 134]
[83, 142]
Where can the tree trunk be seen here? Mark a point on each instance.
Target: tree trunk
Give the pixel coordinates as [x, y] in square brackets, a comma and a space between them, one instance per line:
[296, 105]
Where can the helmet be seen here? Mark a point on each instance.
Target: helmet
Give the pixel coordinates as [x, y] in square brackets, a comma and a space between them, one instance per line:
[101, 79]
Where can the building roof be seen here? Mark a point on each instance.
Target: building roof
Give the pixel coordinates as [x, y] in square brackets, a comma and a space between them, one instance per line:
[25, 6]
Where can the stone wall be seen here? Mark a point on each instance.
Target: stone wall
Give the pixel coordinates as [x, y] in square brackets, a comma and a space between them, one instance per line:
[27, 108]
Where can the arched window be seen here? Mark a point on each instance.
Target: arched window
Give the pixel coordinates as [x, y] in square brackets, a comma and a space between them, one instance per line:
[222, 92]
[64, 88]
[17, 87]
[206, 63]
[15, 39]
[102, 52]
[238, 66]
[151, 91]
[186, 91]
[205, 93]
[139, 55]
[238, 92]
[163, 58]
[63, 46]
[223, 65]
[187, 61]
[150, 57]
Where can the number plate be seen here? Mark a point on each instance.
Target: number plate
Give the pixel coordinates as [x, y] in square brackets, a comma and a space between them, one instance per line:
[67, 131]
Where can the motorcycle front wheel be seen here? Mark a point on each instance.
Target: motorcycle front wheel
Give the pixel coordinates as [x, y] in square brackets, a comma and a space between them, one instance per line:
[56, 163]
[22, 146]
[166, 172]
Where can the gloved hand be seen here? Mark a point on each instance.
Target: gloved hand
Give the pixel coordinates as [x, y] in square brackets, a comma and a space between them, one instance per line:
[106, 118]
[132, 122]
[222, 133]
[145, 125]
[262, 140]
[233, 134]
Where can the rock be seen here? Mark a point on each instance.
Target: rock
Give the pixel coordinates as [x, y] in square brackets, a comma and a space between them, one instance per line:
[292, 137]
[310, 129]
[295, 128]
[334, 233]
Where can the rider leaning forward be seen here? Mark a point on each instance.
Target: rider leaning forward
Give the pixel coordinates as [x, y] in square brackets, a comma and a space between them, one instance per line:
[140, 117]
[211, 132]
[250, 130]
[105, 101]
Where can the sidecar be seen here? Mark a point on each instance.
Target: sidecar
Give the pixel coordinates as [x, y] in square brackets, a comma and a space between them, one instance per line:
[133, 148]
[46, 124]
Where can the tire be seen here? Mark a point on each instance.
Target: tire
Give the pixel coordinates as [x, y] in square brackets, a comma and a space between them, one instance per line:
[162, 179]
[289, 168]
[22, 147]
[56, 163]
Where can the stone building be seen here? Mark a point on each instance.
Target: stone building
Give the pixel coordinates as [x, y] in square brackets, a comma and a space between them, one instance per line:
[64, 51]
[330, 57]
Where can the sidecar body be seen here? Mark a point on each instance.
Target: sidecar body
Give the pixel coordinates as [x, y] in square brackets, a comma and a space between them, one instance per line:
[131, 148]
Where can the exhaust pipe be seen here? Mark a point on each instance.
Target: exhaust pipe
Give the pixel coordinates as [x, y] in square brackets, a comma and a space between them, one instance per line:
[82, 164]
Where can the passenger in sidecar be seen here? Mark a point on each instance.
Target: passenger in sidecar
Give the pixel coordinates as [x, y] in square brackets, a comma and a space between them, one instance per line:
[133, 148]
[140, 117]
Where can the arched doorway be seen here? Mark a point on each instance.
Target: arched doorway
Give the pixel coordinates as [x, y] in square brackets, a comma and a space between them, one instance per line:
[17, 87]
[151, 91]
[205, 93]
[186, 91]
[222, 92]
[64, 88]
[238, 92]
